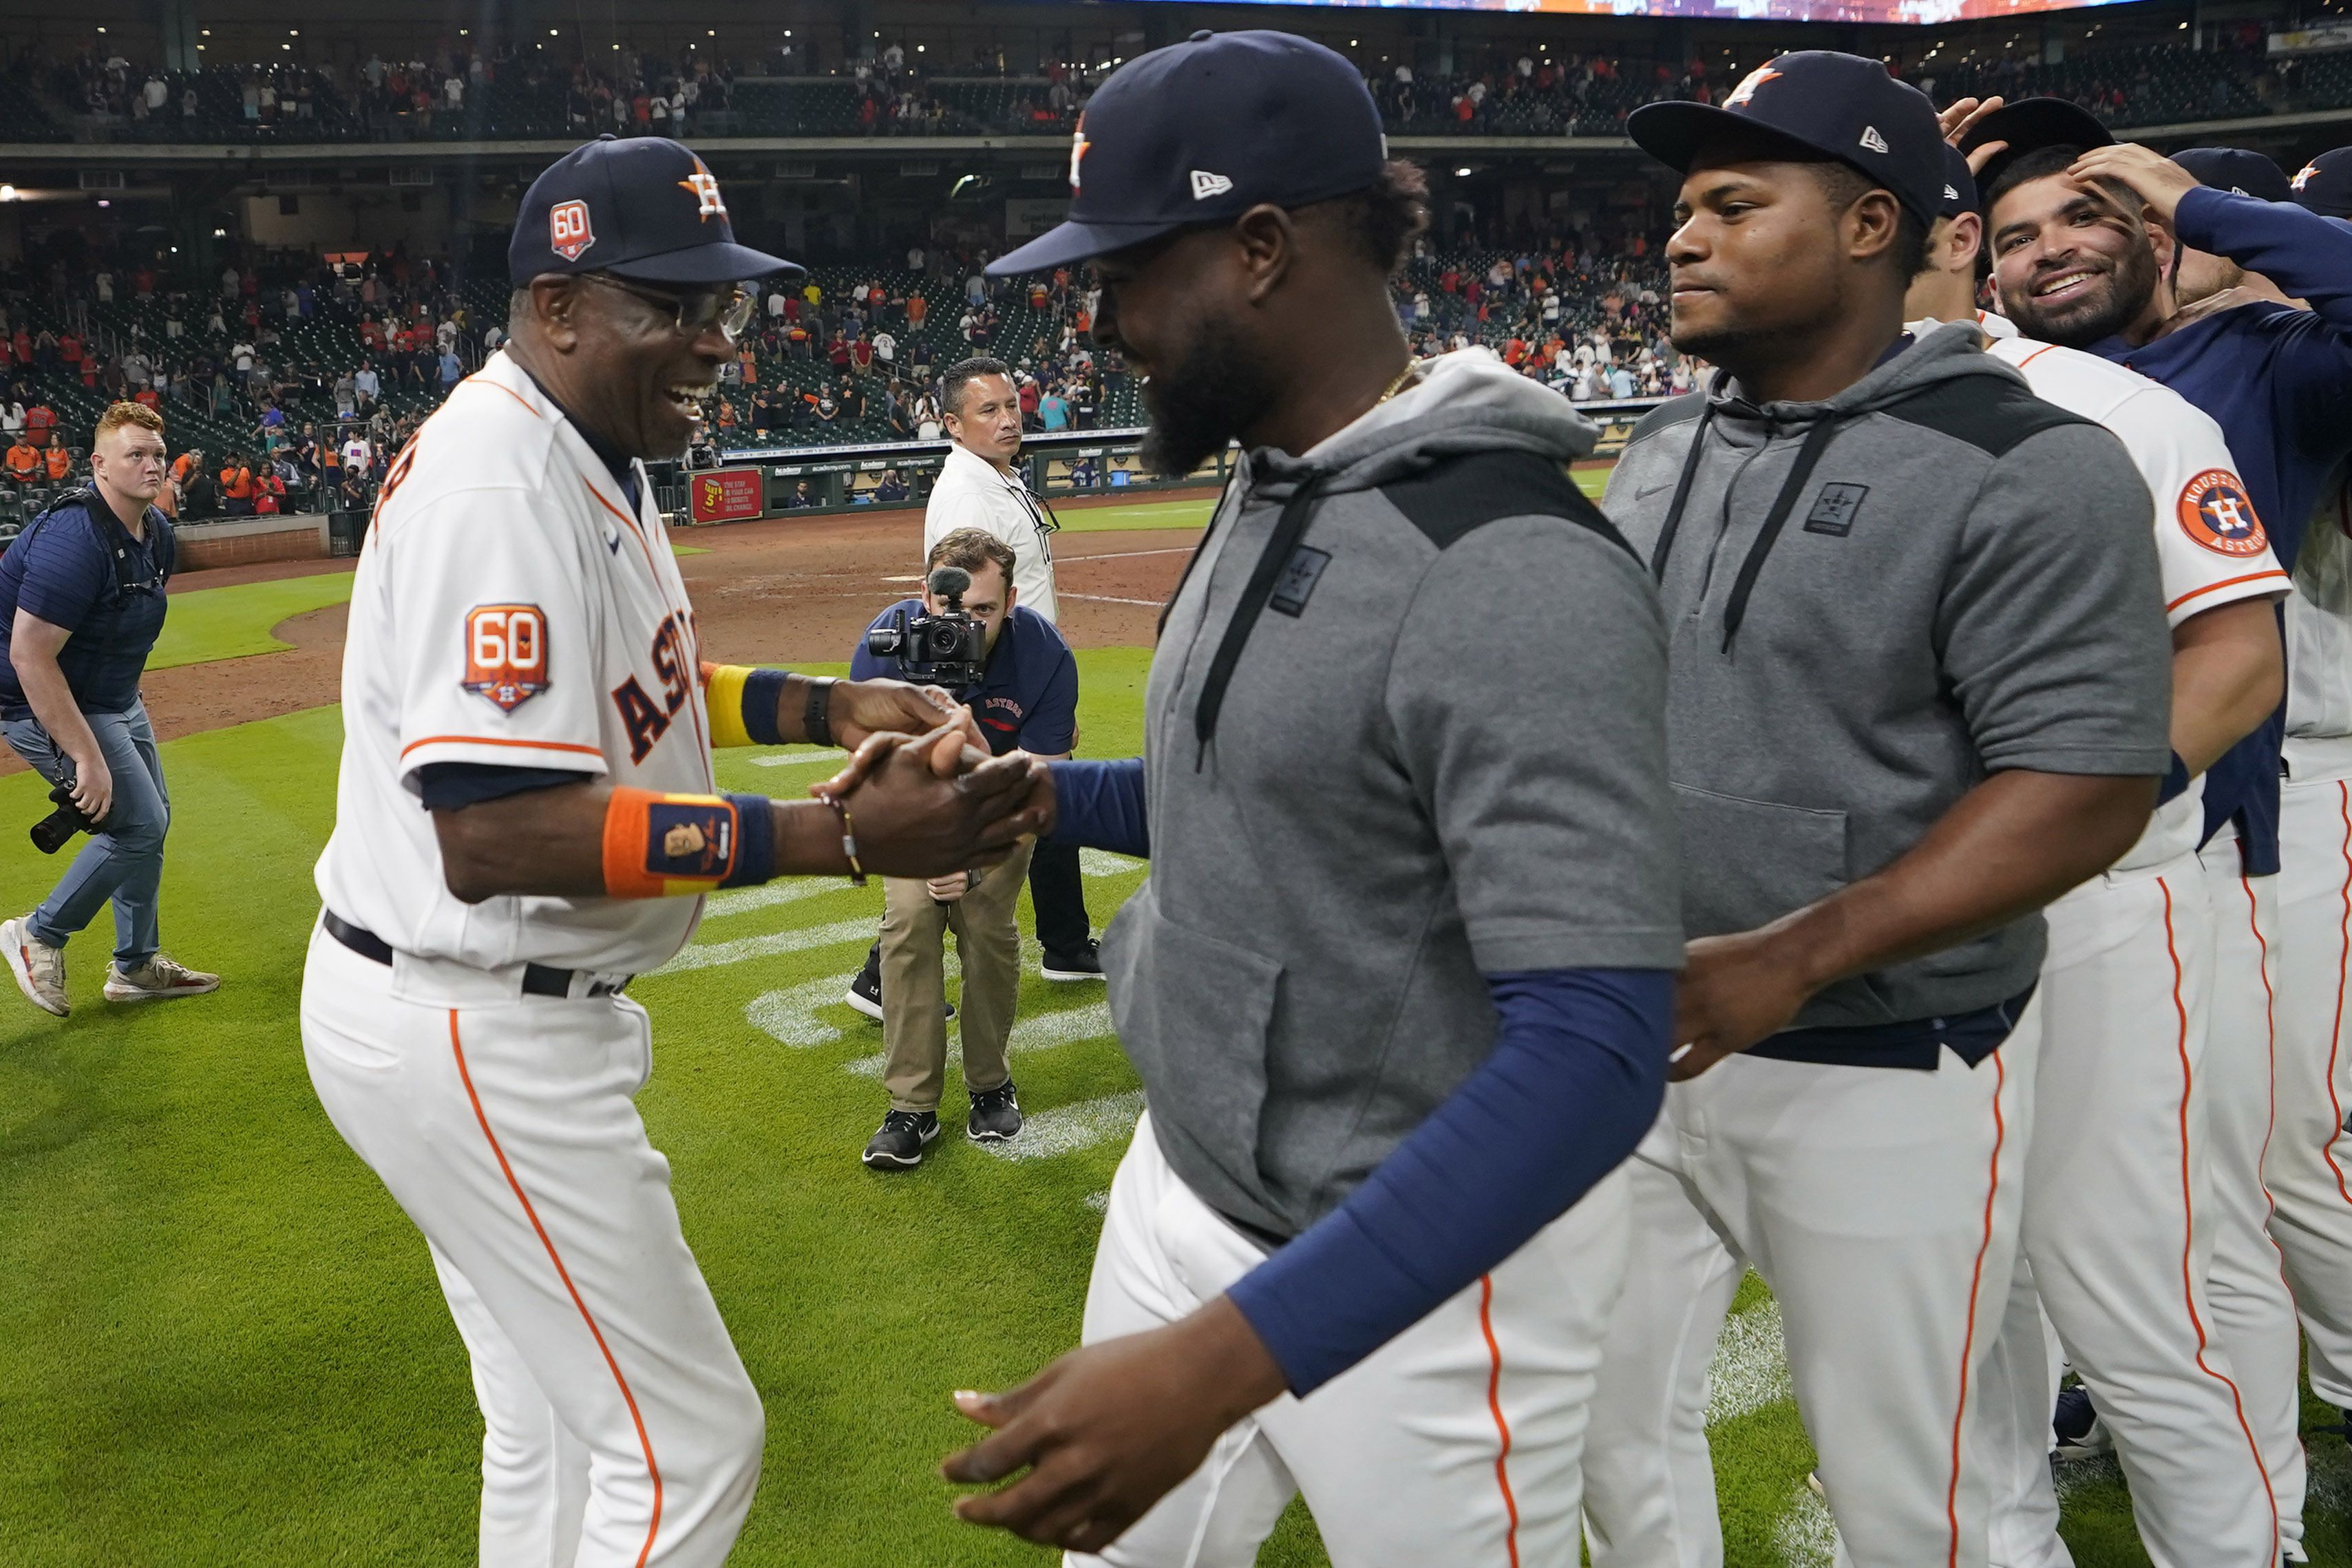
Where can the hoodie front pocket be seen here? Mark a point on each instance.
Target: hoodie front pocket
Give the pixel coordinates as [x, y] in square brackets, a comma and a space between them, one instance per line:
[1746, 863]
[1192, 1012]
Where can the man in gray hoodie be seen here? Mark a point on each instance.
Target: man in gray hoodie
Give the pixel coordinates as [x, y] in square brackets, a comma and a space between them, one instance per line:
[1400, 984]
[1919, 689]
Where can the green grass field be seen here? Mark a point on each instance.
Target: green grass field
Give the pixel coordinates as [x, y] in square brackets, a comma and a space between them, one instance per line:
[206, 623]
[227, 1342]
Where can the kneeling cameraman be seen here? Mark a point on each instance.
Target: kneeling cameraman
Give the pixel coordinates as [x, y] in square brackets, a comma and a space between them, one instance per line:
[1022, 683]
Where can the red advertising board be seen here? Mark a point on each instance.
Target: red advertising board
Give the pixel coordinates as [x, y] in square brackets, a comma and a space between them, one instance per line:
[728, 495]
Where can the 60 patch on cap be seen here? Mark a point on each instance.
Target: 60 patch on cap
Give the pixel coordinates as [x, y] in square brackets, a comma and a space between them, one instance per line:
[646, 209]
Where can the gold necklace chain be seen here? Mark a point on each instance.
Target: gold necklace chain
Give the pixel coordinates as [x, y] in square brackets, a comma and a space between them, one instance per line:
[1397, 385]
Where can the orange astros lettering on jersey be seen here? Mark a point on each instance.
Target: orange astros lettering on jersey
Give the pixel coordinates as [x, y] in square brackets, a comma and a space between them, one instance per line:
[506, 653]
[2215, 512]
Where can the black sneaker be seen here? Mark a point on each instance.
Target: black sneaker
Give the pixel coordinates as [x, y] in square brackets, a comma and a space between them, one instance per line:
[995, 1115]
[2076, 1423]
[1085, 964]
[865, 993]
[898, 1144]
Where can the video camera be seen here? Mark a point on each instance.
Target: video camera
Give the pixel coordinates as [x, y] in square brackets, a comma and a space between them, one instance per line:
[949, 649]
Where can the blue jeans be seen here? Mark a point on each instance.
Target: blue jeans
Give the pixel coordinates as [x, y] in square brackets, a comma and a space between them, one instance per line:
[125, 863]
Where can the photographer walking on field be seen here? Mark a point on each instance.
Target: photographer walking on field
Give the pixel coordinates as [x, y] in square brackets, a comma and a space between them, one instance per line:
[1015, 673]
[81, 604]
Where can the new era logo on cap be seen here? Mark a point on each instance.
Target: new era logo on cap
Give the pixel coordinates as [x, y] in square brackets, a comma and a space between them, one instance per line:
[1872, 142]
[1205, 184]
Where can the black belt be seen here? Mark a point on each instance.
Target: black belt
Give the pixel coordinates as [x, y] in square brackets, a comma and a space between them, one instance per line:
[537, 979]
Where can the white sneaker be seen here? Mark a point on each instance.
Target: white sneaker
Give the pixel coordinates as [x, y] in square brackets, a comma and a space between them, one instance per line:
[159, 979]
[39, 969]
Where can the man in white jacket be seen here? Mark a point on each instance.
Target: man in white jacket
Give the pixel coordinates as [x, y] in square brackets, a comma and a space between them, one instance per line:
[981, 487]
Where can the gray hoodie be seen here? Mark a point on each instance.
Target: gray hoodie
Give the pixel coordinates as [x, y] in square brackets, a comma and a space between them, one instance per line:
[1877, 601]
[1437, 748]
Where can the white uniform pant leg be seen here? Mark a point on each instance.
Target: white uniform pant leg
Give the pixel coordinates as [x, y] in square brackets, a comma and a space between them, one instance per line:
[2019, 1388]
[1649, 1479]
[1458, 1442]
[534, 1471]
[2254, 1311]
[2120, 1222]
[2309, 1166]
[509, 1135]
[1882, 1206]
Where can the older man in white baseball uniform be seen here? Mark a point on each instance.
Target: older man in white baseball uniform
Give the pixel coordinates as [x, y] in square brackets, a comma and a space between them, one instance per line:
[526, 817]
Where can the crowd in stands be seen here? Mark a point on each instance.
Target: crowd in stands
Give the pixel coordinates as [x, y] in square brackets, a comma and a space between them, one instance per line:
[286, 383]
[289, 380]
[469, 92]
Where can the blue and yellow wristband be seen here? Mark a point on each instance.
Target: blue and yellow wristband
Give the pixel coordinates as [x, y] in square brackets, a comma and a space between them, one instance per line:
[741, 701]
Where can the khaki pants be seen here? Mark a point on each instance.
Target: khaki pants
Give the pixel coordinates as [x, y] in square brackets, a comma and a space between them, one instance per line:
[914, 986]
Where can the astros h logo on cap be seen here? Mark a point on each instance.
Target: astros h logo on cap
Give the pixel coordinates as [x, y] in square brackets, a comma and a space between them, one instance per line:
[1077, 153]
[2303, 176]
[1746, 91]
[614, 206]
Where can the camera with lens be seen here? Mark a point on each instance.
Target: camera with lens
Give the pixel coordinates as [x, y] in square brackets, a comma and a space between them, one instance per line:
[52, 832]
[950, 648]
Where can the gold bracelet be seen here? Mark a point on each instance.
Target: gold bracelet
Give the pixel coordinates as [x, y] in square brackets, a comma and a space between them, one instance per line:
[848, 835]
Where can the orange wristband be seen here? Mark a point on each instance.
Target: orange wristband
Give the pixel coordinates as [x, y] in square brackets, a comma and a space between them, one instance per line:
[657, 845]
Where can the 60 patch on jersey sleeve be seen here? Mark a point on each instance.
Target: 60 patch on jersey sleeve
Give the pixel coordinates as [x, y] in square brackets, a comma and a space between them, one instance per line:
[506, 654]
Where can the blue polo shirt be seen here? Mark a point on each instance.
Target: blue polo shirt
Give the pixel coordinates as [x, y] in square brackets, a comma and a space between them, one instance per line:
[1026, 698]
[61, 570]
[2279, 383]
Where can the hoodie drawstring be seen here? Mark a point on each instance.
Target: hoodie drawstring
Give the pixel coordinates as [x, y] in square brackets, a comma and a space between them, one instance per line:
[1280, 545]
[1809, 457]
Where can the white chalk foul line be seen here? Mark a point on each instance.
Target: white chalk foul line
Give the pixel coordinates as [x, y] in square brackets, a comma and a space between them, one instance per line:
[1068, 1129]
[1041, 1033]
[1750, 1369]
[795, 759]
[789, 1016]
[1103, 863]
[1805, 1533]
[783, 891]
[710, 954]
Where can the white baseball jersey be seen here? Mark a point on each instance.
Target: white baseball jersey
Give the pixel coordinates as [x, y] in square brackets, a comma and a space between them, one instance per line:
[2211, 550]
[510, 609]
[2319, 619]
[973, 493]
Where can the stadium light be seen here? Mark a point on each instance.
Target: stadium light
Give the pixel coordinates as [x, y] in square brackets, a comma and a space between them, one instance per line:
[1463, 172]
[7, 193]
[104, 202]
[554, 32]
[293, 32]
[287, 48]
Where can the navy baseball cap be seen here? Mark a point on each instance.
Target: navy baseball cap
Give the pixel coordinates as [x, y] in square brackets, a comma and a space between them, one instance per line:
[645, 208]
[1959, 185]
[2247, 173]
[1202, 131]
[2029, 125]
[1818, 104]
[2324, 185]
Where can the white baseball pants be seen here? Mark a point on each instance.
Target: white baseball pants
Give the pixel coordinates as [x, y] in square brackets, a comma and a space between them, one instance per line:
[620, 1429]
[1456, 1442]
[2254, 1311]
[2119, 1237]
[2309, 1166]
[1882, 1206]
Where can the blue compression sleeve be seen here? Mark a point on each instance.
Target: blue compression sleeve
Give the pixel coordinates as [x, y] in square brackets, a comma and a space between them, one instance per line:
[1576, 1077]
[2302, 253]
[1099, 805]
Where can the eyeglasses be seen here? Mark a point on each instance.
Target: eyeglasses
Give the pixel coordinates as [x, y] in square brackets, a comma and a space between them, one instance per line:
[691, 315]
